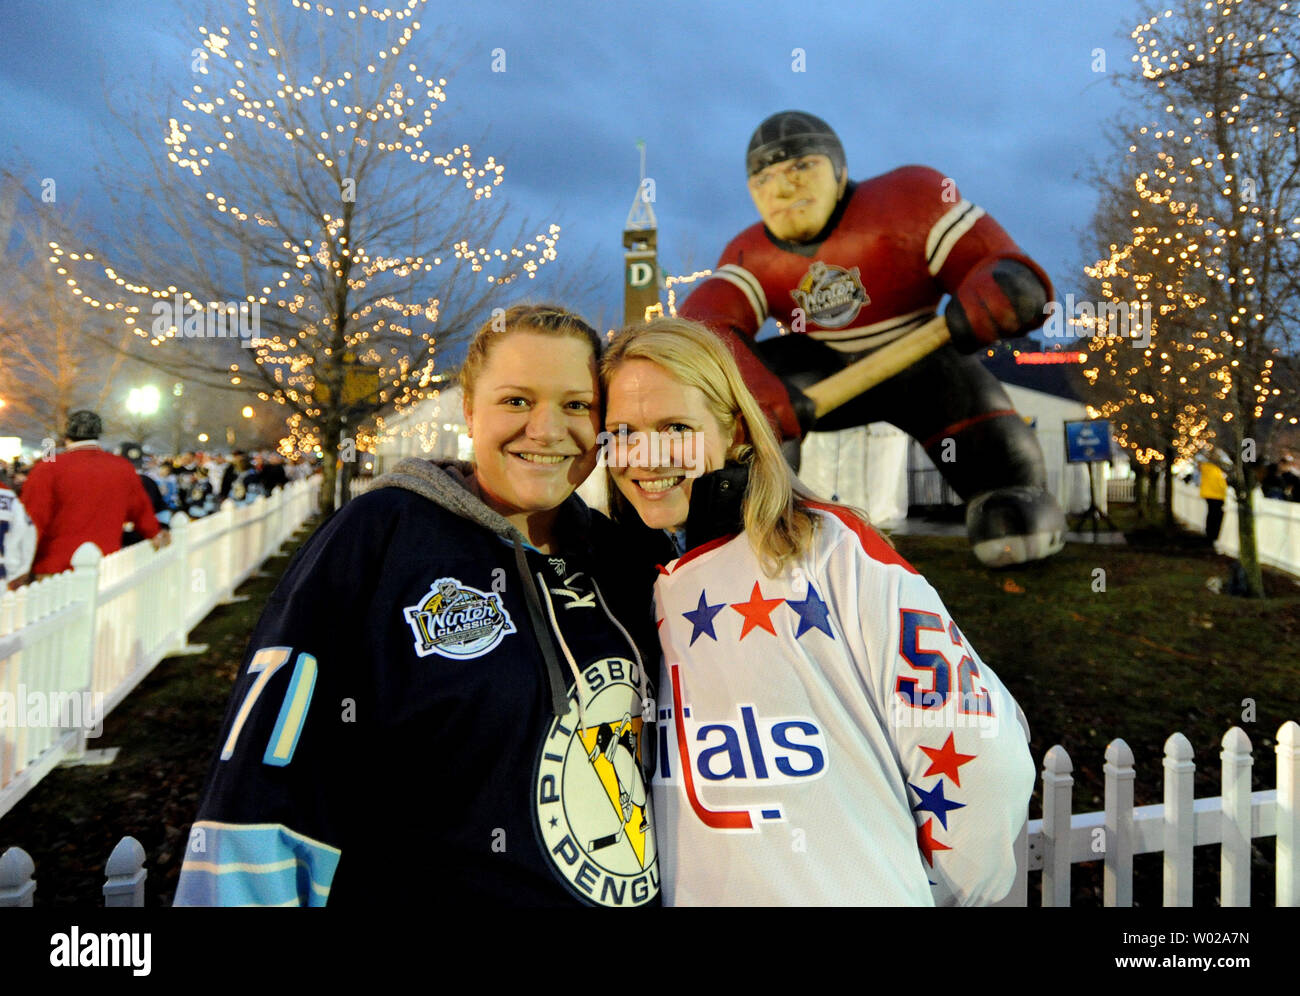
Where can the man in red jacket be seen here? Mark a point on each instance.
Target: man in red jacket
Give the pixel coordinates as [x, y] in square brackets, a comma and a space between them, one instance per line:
[84, 494]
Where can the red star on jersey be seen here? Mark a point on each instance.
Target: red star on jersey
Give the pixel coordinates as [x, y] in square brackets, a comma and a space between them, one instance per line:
[926, 842]
[945, 761]
[757, 611]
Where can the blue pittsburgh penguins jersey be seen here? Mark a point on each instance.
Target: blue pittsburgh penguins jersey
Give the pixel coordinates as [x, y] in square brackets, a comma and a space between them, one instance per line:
[392, 732]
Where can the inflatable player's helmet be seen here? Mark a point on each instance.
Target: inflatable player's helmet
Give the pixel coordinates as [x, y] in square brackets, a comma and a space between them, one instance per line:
[788, 135]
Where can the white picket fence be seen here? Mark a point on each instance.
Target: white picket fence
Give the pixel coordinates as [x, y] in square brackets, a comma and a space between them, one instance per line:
[124, 876]
[1059, 840]
[73, 646]
[359, 486]
[1052, 844]
[1120, 489]
[1277, 525]
[1277, 522]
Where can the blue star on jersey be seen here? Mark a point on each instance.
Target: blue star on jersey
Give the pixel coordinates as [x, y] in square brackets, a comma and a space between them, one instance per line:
[702, 618]
[812, 613]
[934, 802]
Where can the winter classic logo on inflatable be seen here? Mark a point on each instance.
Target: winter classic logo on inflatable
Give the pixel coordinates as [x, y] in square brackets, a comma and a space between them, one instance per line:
[593, 812]
[830, 295]
[458, 621]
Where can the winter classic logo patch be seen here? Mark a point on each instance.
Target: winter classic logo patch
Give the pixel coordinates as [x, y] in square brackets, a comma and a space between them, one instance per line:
[592, 807]
[457, 621]
[830, 295]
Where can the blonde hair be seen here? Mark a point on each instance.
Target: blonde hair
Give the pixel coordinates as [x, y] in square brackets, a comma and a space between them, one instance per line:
[779, 525]
[547, 319]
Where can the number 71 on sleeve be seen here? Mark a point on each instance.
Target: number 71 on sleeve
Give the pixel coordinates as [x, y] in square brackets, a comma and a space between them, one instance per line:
[293, 710]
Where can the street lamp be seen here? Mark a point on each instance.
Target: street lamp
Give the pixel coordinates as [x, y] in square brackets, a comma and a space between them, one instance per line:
[143, 401]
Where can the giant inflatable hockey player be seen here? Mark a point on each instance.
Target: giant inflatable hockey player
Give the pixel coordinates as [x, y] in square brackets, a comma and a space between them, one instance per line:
[854, 266]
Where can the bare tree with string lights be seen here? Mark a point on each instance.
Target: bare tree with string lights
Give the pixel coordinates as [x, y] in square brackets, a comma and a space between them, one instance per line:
[50, 366]
[305, 231]
[1145, 374]
[1215, 241]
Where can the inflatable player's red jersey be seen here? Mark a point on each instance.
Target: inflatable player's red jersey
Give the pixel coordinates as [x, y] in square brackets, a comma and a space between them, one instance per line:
[896, 245]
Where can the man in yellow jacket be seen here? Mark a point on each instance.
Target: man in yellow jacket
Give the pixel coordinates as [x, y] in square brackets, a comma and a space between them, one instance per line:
[1214, 489]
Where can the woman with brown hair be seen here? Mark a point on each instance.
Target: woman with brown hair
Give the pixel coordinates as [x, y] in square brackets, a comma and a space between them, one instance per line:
[827, 734]
[444, 697]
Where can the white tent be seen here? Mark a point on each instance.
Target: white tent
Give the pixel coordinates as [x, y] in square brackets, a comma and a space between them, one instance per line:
[434, 429]
[1068, 481]
[865, 467]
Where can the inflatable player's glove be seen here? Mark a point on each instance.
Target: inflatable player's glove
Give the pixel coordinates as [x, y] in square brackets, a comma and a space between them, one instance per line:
[999, 299]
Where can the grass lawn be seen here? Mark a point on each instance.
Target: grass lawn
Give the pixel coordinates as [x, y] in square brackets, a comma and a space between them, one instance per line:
[1153, 653]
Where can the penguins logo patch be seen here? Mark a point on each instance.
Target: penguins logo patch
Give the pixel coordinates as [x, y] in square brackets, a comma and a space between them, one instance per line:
[457, 621]
[593, 810]
[830, 295]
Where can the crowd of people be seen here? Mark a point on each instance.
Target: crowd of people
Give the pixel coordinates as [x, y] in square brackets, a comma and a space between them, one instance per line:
[1281, 479]
[197, 483]
[84, 493]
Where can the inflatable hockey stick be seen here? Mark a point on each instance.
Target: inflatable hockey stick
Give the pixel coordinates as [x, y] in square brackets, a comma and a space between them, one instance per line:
[866, 373]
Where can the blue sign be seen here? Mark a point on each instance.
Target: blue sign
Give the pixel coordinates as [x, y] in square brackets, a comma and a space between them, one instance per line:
[1087, 442]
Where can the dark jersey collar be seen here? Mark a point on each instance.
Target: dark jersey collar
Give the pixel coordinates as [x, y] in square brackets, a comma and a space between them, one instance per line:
[810, 247]
[716, 505]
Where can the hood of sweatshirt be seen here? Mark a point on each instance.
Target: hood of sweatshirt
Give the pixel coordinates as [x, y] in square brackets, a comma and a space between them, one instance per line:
[449, 484]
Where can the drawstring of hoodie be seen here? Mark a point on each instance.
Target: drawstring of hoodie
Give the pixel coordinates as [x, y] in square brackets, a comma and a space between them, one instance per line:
[554, 673]
[568, 654]
[649, 709]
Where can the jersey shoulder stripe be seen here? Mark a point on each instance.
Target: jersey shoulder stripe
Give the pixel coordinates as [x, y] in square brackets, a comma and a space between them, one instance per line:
[948, 231]
[874, 547]
[697, 551]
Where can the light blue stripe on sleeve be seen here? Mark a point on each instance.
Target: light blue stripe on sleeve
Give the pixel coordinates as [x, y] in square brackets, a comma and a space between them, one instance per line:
[263, 864]
[293, 713]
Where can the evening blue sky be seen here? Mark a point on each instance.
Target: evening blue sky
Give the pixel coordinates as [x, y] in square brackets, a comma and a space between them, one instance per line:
[1001, 96]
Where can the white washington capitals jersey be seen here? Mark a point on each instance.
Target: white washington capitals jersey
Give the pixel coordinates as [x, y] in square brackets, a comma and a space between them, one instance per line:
[828, 736]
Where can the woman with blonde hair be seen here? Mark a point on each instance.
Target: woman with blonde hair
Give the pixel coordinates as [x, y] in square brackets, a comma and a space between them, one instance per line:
[827, 734]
